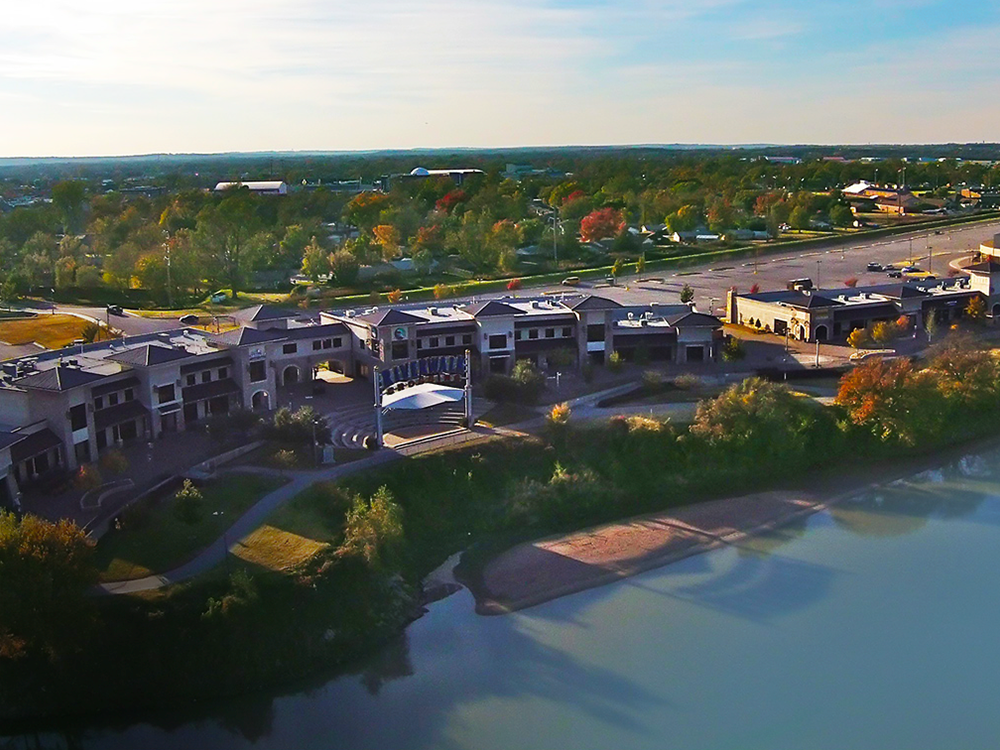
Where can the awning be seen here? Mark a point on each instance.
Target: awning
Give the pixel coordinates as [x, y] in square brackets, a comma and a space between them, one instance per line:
[124, 412]
[423, 396]
[212, 389]
[34, 444]
[169, 409]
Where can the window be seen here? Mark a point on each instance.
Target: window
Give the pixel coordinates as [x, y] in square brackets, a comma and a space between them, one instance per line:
[191, 380]
[289, 349]
[550, 333]
[317, 345]
[595, 332]
[567, 332]
[400, 349]
[498, 341]
[165, 394]
[129, 394]
[223, 373]
[518, 335]
[420, 344]
[467, 339]
[337, 343]
[257, 371]
[533, 333]
[433, 342]
[206, 377]
[78, 417]
[112, 399]
[98, 403]
[449, 341]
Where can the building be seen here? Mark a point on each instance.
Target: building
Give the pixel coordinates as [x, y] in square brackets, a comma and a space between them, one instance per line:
[570, 329]
[61, 408]
[991, 248]
[260, 187]
[457, 175]
[831, 314]
[863, 195]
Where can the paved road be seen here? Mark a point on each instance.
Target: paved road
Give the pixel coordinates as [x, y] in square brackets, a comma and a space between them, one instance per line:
[829, 266]
[130, 324]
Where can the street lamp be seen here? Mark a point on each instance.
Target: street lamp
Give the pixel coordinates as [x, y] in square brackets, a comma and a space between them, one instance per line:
[817, 273]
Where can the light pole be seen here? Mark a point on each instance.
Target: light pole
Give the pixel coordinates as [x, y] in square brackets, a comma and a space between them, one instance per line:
[817, 273]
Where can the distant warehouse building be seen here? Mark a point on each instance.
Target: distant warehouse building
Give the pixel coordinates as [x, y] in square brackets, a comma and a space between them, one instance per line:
[829, 314]
[260, 187]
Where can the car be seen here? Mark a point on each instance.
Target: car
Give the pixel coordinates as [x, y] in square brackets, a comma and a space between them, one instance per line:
[610, 280]
[889, 267]
[219, 297]
[937, 231]
[910, 269]
[571, 281]
[895, 274]
[929, 277]
[800, 285]
[874, 266]
[116, 310]
[189, 320]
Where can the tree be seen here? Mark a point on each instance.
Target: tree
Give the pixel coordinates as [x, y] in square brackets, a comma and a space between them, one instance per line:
[373, 529]
[344, 268]
[599, 224]
[189, 503]
[315, 261]
[733, 350]
[687, 294]
[683, 219]
[88, 277]
[395, 296]
[363, 210]
[440, 291]
[976, 310]
[616, 268]
[68, 199]
[640, 265]
[387, 237]
[799, 218]
[46, 571]
[513, 285]
[851, 282]
[841, 216]
[65, 272]
[890, 399]
[230, 235]
[858, 338]
[883, 332]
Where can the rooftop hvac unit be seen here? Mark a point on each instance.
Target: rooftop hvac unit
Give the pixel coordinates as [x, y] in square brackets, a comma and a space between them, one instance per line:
[631, 316]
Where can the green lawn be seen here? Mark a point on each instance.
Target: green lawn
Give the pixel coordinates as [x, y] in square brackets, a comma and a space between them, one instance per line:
[159, 541]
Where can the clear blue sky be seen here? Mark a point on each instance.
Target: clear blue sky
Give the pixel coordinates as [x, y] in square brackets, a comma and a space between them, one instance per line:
[81, 77]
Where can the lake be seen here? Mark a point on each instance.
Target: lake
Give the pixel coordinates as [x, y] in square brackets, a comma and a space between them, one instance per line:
[872, 625]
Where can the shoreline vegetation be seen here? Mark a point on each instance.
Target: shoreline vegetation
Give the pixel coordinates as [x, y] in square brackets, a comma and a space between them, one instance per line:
[243, 628]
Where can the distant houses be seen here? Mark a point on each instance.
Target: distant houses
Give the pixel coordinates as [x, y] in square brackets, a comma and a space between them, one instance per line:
[257, 187]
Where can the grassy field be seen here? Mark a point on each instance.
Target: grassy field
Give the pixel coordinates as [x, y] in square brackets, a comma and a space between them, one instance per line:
[160, 540]
[51, 331]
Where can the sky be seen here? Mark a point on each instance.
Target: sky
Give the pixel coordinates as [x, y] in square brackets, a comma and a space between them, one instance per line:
[110, 77]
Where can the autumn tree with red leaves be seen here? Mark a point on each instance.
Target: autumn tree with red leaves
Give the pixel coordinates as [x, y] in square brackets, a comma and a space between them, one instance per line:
[600, 224]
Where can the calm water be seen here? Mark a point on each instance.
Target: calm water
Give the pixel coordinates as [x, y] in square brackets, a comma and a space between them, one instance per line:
[872, 626]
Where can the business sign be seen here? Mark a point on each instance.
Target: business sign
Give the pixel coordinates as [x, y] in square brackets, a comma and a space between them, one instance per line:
[429, 369]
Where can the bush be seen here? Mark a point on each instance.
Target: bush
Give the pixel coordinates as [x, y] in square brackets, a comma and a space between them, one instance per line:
[687, 382]
[114, 462]
[615, 362]
[298, 427]
[189, 503]
[88, 477]
[524, 385]
[652, 381]
[374, 529]
[733, 350]
[559, 414]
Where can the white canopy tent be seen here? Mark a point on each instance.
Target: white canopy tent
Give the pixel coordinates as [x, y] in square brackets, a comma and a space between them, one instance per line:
[422, 396]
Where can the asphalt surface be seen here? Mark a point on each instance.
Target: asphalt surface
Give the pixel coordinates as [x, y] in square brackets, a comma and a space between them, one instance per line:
[827, 267]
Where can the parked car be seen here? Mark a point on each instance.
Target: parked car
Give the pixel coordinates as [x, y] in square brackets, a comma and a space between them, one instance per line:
[889, 267]
[610, 280]
[571, 281]
[895, 274]
[189, 320]
[116, 310]
[219, 297]
[801, 285]
[874, 266]
[910, 269]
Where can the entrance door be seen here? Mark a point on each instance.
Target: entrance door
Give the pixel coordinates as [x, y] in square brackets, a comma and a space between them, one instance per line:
[696, 354]
[168, 423]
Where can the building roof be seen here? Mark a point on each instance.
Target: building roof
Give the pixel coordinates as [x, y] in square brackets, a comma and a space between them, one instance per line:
[692, 319]
[388, 317]
[33, 444]
[148, 355]
[259, 313]
[987, 266]
[59, 378]
[590, 302]
[115, 385]
[244, 335]
[212, 389]
[489, 308]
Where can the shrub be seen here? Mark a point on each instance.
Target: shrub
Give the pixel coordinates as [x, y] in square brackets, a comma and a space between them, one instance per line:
[88, 477]
[374, 529]
[687, 294]
[395, 296]
[559, 414]
[189, 503]
[524, 385]
[114, 462]
[733, 350]
[298, 427]
[513, 285]
[615, 362]
[858, 338]
[639, 423]
[285, 459]
[851, 282]
[687, 381]
[652, 380]
[440, 291]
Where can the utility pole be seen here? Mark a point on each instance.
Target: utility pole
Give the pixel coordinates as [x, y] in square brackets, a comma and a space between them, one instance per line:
[170, 292]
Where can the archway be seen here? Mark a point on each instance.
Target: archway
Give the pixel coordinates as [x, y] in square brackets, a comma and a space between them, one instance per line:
[996, 311]
[821, 333]
[290, 375]
[260, 401]
[802, 334]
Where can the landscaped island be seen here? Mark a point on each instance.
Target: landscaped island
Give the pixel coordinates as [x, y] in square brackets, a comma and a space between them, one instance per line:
[379, 533]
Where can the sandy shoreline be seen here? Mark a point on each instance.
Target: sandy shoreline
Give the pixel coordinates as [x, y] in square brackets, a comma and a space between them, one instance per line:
[544, 569]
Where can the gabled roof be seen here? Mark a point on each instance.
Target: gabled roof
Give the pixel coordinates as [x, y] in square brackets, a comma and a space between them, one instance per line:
[245, 335]
[901, 291]
[489, 308]
[591, 302]
[259, 313]
[692, 319]
[390, 317]
[148, 354]
[59, 378]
